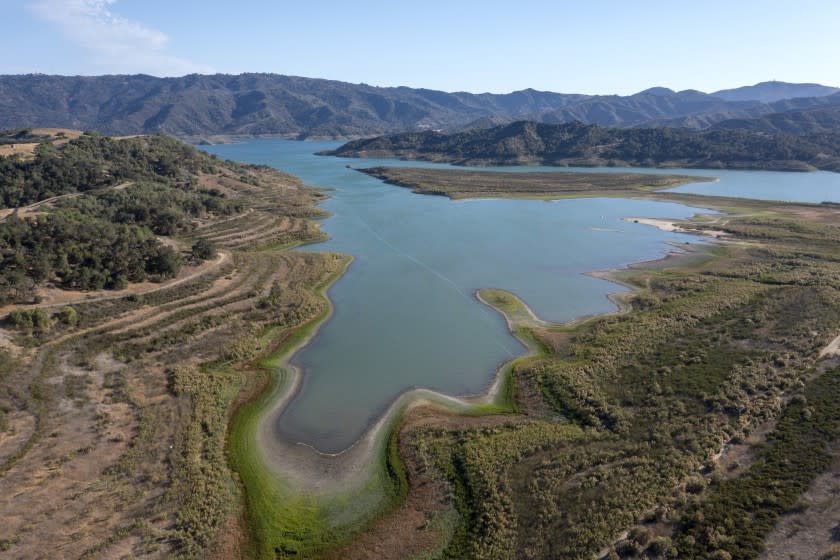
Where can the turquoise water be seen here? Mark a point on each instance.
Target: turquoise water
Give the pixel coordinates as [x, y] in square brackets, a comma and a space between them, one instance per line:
[405, 312]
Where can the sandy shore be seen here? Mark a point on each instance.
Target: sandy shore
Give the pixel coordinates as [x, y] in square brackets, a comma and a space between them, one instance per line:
[673, 226]
[663, 225]
[353, 482]
[306, 470]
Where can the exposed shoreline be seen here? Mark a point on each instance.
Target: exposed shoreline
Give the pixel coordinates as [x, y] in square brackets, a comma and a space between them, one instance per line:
[354, 486]
[460, 184]
[356, 473]
[406, 397]
[673, 227]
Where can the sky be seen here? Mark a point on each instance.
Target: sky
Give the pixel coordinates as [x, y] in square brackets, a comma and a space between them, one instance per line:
[593, 47]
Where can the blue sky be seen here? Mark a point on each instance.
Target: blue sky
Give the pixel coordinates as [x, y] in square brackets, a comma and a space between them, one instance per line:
[598, 46]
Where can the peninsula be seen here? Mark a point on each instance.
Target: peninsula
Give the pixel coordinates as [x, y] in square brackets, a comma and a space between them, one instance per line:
[457, 184]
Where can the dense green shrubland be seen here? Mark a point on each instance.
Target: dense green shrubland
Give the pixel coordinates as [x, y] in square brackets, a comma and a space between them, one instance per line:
[737, 514]
[706, 356]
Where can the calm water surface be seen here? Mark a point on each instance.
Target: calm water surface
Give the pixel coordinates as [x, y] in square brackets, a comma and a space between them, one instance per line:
[820, 186]
[405, 313]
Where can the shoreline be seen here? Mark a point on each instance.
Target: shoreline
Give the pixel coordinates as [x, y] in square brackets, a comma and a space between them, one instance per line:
[772, 165]
[492, 390]
[358, 475]
[672, 227]
[355, 485]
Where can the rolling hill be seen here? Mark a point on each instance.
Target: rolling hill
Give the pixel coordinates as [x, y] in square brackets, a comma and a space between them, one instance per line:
[592, 145]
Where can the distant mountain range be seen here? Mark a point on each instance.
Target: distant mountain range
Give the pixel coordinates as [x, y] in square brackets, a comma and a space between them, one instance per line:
[769, 92]
[256, 104]
[810, 121]
[577, 144]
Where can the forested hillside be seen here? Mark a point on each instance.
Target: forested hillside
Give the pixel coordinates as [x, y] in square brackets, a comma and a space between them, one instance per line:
[811, 121]
[115, 404]
[592, 145]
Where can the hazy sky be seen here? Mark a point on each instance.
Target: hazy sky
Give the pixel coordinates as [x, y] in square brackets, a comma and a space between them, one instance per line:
[594, 46]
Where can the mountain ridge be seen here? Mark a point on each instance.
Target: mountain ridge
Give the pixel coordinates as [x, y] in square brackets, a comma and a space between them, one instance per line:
[199, 105]
[772, 91]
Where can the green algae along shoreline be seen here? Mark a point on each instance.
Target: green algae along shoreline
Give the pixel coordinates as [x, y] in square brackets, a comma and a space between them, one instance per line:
[299, 500]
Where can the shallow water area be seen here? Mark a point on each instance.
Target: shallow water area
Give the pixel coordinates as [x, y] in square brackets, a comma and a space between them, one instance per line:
[405, 314]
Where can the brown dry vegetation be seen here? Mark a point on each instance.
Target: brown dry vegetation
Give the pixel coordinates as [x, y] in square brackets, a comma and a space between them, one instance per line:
[112, 430]
[26, 149]
[57, 136]
[634, 428]
[457, 183]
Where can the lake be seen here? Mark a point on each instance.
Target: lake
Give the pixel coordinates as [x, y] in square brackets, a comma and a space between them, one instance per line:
[405, 312]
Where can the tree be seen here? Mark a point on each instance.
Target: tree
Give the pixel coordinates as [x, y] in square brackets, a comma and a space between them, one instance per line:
[41, 320]
[164, 262]
[203, 249]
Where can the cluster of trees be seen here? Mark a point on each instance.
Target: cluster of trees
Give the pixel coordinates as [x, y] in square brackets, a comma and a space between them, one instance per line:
[93, 161]
[39, 320]
[104, 238]
[156, 206]
[77, 251]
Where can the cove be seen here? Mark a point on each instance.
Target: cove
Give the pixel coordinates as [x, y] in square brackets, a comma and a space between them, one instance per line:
[405, 313]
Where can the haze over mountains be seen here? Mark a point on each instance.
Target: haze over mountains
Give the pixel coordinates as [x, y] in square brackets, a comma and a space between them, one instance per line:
[256, 104]
[768, 92]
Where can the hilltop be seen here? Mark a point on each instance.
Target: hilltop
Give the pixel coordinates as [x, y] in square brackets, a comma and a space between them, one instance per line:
[768, 92]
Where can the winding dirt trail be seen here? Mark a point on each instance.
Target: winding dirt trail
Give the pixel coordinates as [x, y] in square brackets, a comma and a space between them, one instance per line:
[35, 208]
[55, 297]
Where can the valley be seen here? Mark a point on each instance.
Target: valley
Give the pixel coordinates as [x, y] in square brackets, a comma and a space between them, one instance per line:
[438, 281]
[525, 415]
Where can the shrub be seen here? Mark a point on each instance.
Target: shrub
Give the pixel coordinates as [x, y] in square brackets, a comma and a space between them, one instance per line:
[68, 316]
[20, 320]
[660, 546]
[627, 548]
[30, 320]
